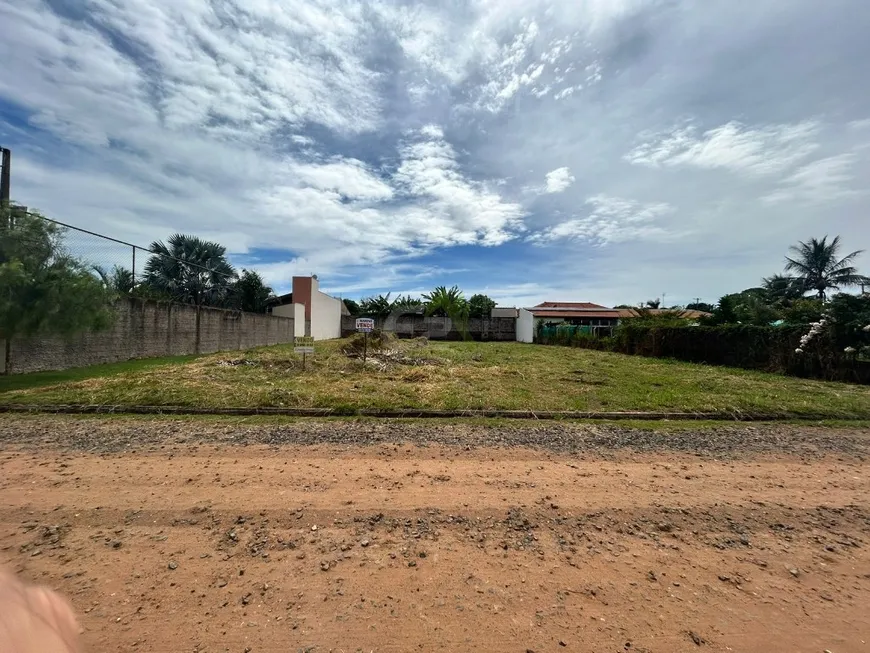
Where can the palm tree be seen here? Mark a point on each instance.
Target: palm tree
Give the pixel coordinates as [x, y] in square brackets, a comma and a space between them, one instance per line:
[407, 304]
[783, 288]
[120, 280]
[190, 270]
[378, 307]
[819, 269]
[449, 303]
[446, 302]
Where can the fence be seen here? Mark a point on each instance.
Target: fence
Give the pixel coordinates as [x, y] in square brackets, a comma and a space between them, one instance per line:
[146, 329]
[410, 325]
[146, 283]
[124, 267]
[565, 333]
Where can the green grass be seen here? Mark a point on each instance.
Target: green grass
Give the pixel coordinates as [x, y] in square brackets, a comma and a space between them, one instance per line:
[52, 378]
[456, 375]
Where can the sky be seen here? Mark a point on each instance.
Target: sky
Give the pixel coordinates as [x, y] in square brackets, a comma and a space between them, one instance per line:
[611, 151]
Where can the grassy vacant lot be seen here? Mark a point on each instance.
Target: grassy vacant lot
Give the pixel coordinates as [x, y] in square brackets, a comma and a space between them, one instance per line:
[454, 375]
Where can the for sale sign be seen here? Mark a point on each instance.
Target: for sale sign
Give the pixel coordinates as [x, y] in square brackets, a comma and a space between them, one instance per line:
[365, 324]
[303, 345]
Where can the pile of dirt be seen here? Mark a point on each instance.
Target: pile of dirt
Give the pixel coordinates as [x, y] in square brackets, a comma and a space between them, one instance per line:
[384, 350]
[378, 341]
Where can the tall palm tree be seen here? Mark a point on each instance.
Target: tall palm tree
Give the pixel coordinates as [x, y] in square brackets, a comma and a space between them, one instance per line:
[190, 270]
[819, 269]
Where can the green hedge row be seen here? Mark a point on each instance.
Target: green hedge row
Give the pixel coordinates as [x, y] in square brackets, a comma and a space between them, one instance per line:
[770, 349]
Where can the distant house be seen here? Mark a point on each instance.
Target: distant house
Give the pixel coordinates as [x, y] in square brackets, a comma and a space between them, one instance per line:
[599, 318]
[316, 314]
[685, 313]
[576, 313]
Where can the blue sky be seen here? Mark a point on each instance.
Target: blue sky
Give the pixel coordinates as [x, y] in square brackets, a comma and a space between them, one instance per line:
[604, 150]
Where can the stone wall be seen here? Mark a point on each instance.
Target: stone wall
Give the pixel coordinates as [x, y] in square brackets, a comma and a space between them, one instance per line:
[146, 329]
[442, 328]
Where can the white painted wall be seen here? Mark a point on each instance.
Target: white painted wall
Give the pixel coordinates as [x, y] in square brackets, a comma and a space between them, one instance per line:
[297, 312]
[525, 326]
[325, 316]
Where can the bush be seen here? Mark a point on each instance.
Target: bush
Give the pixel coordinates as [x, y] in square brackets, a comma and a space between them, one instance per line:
[770, 349]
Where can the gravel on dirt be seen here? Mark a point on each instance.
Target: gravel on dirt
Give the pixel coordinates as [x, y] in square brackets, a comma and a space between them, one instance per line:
[122, 434]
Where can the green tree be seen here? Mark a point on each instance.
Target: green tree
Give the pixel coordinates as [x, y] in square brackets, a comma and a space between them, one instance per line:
[119, 280]
[449, 302]
[378, 307]
[480, 306]
[700, 306]
[190, 270]
[747, 307]
[818, 268]
[44, 290]
[804, 311]
[352, 307]
[250, 293]
[446, 302]
[653, 303]
[851, 316]
[782, 289]
[407, 304]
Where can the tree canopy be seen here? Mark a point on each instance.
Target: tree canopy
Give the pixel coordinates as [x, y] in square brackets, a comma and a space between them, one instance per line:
[352, 307]
[480, 306]
[250, 293]
[446, 302]
[378, 307]
[407, 304]
[44, 289]
[191, 270]
[818, 267]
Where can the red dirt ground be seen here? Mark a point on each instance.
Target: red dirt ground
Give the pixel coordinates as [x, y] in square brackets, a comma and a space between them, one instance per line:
[197, 547]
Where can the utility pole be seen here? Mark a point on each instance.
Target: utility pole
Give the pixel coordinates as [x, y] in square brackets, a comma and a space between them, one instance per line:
[5, 174]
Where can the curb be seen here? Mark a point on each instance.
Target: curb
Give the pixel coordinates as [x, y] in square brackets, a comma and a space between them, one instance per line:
[103, 409]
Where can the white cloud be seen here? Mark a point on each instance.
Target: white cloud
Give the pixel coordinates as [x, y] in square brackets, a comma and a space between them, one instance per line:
[609, 220]
[825, 180]
[296, 126]
[348, 178]
[453, 209]
[559, 180]
[732, 146]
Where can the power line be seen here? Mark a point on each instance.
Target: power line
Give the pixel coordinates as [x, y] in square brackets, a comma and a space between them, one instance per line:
[134, 247]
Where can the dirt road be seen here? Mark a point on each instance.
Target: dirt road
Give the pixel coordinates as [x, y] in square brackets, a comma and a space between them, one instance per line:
[196, 536]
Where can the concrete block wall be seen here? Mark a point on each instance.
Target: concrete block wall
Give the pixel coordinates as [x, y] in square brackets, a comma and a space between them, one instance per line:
[147, 329]
[442, 328]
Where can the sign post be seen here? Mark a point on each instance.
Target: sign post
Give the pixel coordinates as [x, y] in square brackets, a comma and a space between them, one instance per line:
[303, 345]
[365, 325]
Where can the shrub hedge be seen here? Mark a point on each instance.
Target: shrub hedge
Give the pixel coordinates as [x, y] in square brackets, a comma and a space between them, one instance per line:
[770, 349]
